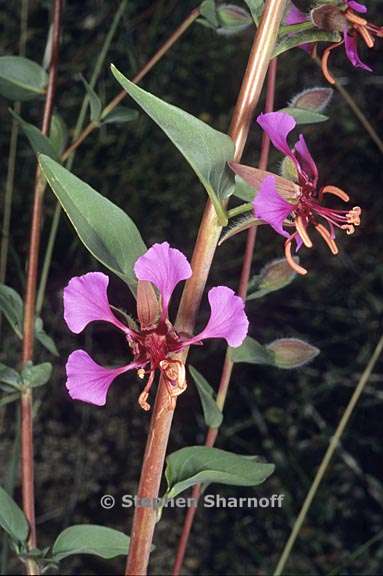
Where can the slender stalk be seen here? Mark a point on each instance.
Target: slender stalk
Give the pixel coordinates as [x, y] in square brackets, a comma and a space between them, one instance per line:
[334, 442]
[228, 364]
[27, 481]
[144, 518]
[80, 136]
[77, 130]
[357, 111]
[10, 179]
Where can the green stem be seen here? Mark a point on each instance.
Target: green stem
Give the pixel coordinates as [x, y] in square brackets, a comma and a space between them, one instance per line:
[240, 210]
[293, 28]
[334, 442]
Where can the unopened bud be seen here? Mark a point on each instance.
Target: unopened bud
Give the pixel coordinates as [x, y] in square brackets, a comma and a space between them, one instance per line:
[329, 18]
[274, 276]
[148, 308]
[233, 19]
[292, 353]
[313, 99]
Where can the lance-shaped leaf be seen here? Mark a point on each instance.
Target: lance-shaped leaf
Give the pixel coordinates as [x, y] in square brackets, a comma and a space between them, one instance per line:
[252, 352]
[303, 116]
[10, 377]
[11, 305]
[300, 38]
[58, 133]
[212, 414]
[41, 144]
[44, 338]
[94, 101]
[12, 519]
[90, 539]
[200, 464]
[21, 79]
[120, 115]
[106, 231]
[256, 7]
[206, 149]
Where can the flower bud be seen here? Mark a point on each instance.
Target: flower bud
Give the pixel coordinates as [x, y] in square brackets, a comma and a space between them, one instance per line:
[316, 99]
[329, 18]
[292, 353]
[233, 19]
[288, 169]
[274, 276]
[148, 308]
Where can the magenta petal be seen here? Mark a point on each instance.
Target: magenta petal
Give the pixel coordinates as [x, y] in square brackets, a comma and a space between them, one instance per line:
[305, 159]
[87, 380]
[271, 207]
[227, 320]
[295, 16]
[86, 300]
[357, 6]
[351, 47]
[164, 267]
[277, 126]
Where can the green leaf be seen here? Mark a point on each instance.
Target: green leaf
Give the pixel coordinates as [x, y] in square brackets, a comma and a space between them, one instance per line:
[208, 11]
[238, 226]
[11, 305]
[12, 519]
[9, 398]
[206, 149]
[41, 144]
[58, 134]
[106, 231]
[94, 101]
[295, 40]
[36, 375]
[120, 115]
[256, 7]
[303, 116]
[252, 352]
[90, 539]
[21, 79]
[200, 464]
[243, 190]
[212, 414]
[9, 376]
[43, 337]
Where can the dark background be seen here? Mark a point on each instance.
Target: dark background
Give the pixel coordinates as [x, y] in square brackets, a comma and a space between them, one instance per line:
[287, 417]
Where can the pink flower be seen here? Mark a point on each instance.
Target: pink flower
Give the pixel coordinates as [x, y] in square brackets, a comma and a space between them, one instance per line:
[305, 206]
[156, 343]
[342, 18]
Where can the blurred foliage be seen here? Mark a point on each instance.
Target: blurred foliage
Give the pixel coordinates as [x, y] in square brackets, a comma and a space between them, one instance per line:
[287, 417]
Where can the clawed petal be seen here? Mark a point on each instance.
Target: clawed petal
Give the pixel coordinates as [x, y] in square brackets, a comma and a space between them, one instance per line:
[86, 300]
[357, 6]
[164, 267]
[305, 159]
[271, 207]
[227, 320]
[278, 126]
[351, 47]
[88, 381]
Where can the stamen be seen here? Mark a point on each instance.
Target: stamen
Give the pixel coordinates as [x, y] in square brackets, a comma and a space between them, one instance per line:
[327, 238]
[142, 399]
[369, 40]
[377, 30]
[335, 192]
[290, 260]
[355, 19]
[349, 229]
[302, 232]
[353, 217]
[324, 63]
[141, 373]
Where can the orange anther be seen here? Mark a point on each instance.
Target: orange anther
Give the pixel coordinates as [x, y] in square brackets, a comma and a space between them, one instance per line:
[294, 265]
[369, 40]
[324, 63]
[327, 238]
[335, 192]
[355, 19]
[302, 232]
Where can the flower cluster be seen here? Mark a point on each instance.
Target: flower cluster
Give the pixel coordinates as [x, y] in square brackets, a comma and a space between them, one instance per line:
[341, 17]
[304, 207]
[155, 344]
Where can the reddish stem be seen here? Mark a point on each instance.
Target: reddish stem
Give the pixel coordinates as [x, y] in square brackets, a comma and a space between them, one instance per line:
[144, 518]
[30, 296]
[228, 364]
